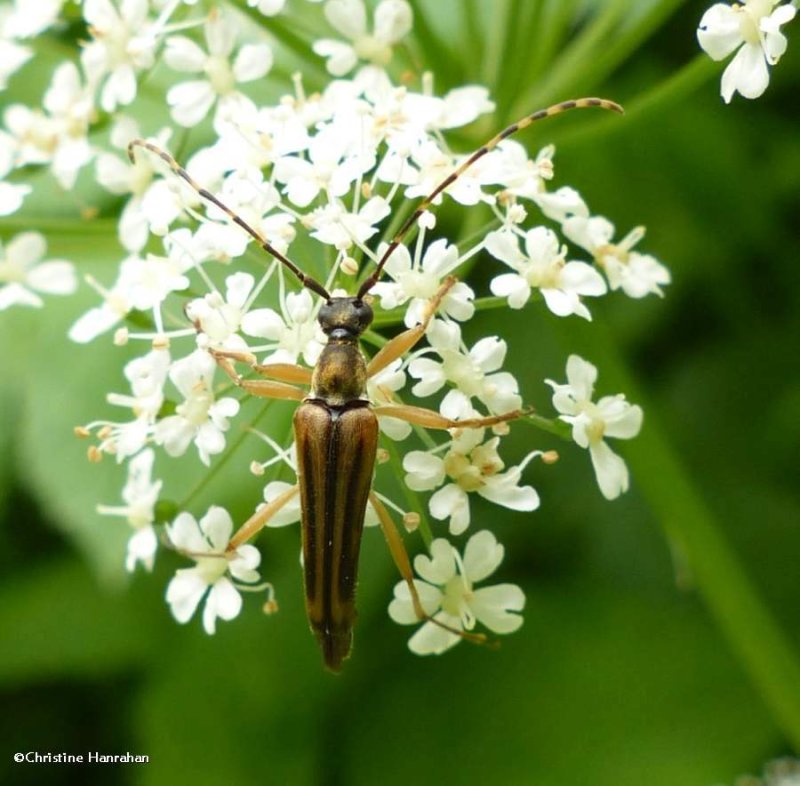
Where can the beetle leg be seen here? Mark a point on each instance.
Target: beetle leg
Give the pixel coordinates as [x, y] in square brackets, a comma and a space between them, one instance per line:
[429, 418]
[401, 343]
[263, 388]
[261, 518]
[403, 563]
[285, 372]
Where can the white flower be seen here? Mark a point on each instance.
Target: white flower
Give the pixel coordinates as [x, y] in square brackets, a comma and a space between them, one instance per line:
[380, 390]
[12, 195]
[291, 512]
[393, 20]
[206, 544]
[292, 333]
[338, 227]
[448, 595]
[56, 135]
[473, 466]
[474, 373]
[123, 42]
[199, 419]
[190, 102]
[31, 17]
[147, 376]
[433, 165]
[544, 267]
[336, 158]
[143, 284]
[513, 168]
[140, 495]
[23, 274]
[169, 197]
[120, 176]
[611, 416]
[219, 319]
[419, 281]
[753, 29]
[637, 275]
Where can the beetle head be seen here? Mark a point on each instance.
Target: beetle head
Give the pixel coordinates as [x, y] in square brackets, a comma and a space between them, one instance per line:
[345, 317]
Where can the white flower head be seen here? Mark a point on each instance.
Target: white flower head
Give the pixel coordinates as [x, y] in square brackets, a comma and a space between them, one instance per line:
[473, 373]
[57, 134]
[123, 42]
[381, 388]
[544, 267]
[215, 568]
[140, 495]
[191, 101]
[752, 30]
[592, 422]
[121, 176]
[199, 418]
[31, 17]
[469, 466]
[292, 333]
[392, 22]
[147, 376]
[24, 276]
[335, 225]
[220, 318]
[416, 281]
[448, 595]
[636, 274]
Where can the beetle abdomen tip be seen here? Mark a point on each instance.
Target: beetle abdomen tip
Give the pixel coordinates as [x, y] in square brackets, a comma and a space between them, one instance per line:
[335, 647]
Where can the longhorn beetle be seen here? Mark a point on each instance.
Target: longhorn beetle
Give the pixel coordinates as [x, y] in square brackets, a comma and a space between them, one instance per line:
[336, 428]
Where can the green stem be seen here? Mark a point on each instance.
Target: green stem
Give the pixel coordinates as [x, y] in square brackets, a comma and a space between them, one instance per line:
[552, 426]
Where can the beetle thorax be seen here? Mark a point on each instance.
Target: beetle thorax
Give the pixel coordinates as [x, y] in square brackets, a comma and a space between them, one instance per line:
[340, 375]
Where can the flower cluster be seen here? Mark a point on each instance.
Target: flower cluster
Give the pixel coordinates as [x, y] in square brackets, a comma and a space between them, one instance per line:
[753, 31]
[325, 171]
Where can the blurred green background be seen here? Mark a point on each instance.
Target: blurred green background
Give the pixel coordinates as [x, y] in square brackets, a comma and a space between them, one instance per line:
[660, 643]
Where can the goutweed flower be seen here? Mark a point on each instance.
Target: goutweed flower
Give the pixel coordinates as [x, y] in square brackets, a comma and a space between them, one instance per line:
[215, 570]
[592, 422]
[203, 296]
[753, 31]
[448, 594]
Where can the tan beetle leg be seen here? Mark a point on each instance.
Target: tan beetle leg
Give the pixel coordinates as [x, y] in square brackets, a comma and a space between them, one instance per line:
[284, 372]
[400, 344]
[260, 519]
[403, 563]
[263, 388]
[428, 418]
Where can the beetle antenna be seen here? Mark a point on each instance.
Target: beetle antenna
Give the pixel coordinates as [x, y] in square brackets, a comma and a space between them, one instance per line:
[541, 114]
[305, 280]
